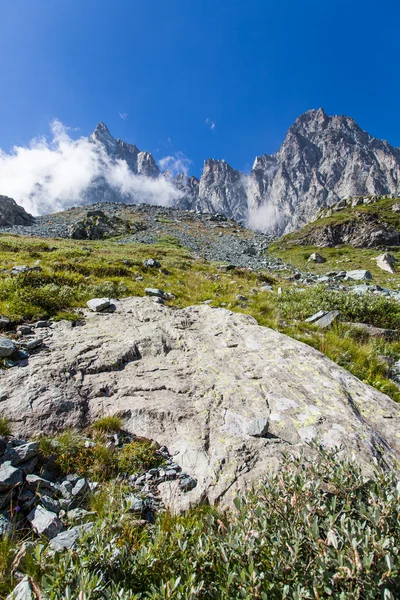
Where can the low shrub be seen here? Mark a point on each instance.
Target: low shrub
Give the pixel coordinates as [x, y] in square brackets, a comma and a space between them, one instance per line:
[5, 427]
[110, 423]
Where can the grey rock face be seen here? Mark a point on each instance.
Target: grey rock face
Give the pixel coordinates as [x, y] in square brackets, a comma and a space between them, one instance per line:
[67, 539]
[98, 304]
[22, 453]
[9, 477]
[13, 214]
[23, 591]
[194, 380]
[386, 262]
[7, 347]
[45, 522]
[359, 275]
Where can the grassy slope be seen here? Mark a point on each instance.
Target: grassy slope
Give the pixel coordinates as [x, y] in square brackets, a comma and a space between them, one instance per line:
[73, 271]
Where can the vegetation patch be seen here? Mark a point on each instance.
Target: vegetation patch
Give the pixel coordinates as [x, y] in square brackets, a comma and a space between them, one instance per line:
[318, 528]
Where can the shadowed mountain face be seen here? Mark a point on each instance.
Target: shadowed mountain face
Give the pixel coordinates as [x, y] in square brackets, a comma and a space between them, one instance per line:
[321, 160]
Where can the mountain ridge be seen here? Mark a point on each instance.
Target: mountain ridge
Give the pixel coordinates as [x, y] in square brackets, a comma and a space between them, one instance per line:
[321, 160]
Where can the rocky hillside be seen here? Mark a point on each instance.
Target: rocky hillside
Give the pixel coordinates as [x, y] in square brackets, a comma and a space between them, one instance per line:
[360, 222]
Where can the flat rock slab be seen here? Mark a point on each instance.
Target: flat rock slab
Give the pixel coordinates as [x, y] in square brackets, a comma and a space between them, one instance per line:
[196, 380]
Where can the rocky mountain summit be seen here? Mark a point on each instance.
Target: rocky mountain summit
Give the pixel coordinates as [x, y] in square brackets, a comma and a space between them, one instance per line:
[225, 395]
[12, 214]
[322, 160]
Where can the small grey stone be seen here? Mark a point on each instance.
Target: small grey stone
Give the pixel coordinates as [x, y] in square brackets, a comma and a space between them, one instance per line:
[45, 522]
[187, 483]
[80, 489]
[79, 514]
[50, 504]
[66, 489]
[4, 323]
[98, 304]
[22, 453]
[258, 427]
[316, 257]
[66, 540]
[316, 316]
[156, 293]
[24, 330]
[170, 473]
[9, 477]
[36, 484]
[40, 324]
[358, 275]
[33, 344]
[29, 466]
[23, 591]
[7, 347]
[150, 262]
[327, 319]
[135, 504]
[20, 269]
[266, 288]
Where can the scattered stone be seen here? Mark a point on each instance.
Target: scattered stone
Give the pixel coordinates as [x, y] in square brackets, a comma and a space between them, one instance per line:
[396, 207]
[151, 263]
[80, 489]
[316, 316]
[20, 269]
[187, 483]
[386, 262]
[23, 591]
[316, 257]
[21, 454]
[66, 540]
[29, 466]
[10, 477]
[135, 504]
[4, 323]
[33, 344]
[375, 332]
[266, 288]
[327, 319]
[156, 293]
[258, 427]
[24, 330]
[98, 304]
[7, 347]
[42, 324]
[37, 484]
[45, 522]
[358, 275]
[50, 504]
[79, 514]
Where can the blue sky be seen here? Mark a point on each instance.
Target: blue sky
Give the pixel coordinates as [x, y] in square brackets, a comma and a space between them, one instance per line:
[175, 67]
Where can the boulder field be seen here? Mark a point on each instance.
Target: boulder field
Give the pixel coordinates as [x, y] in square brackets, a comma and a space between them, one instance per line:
[225, 395]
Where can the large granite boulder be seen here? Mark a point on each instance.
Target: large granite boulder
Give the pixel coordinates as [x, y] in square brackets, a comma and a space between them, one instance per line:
[13, 214]
[225, 394]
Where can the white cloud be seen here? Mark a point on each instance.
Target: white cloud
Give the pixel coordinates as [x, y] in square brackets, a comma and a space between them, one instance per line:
[51, 175]
[211, 124]
[178, 163]
[123, 116]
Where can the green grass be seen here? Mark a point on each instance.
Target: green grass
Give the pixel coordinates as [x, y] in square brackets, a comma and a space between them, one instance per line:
[5, 427]
[110, 423]
[317, 528]
[339, 258]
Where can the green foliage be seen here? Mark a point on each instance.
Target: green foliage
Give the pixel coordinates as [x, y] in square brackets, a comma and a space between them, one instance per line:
[366, 308]
[316, 529]
[98, 460]
[5, 427]
[108, 424]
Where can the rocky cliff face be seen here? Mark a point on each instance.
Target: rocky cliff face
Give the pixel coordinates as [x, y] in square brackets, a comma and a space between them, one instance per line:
[321, 160]
[12, 214]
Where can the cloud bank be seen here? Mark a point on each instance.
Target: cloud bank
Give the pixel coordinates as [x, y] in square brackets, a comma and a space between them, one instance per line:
[178, 163]
[52, 175]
